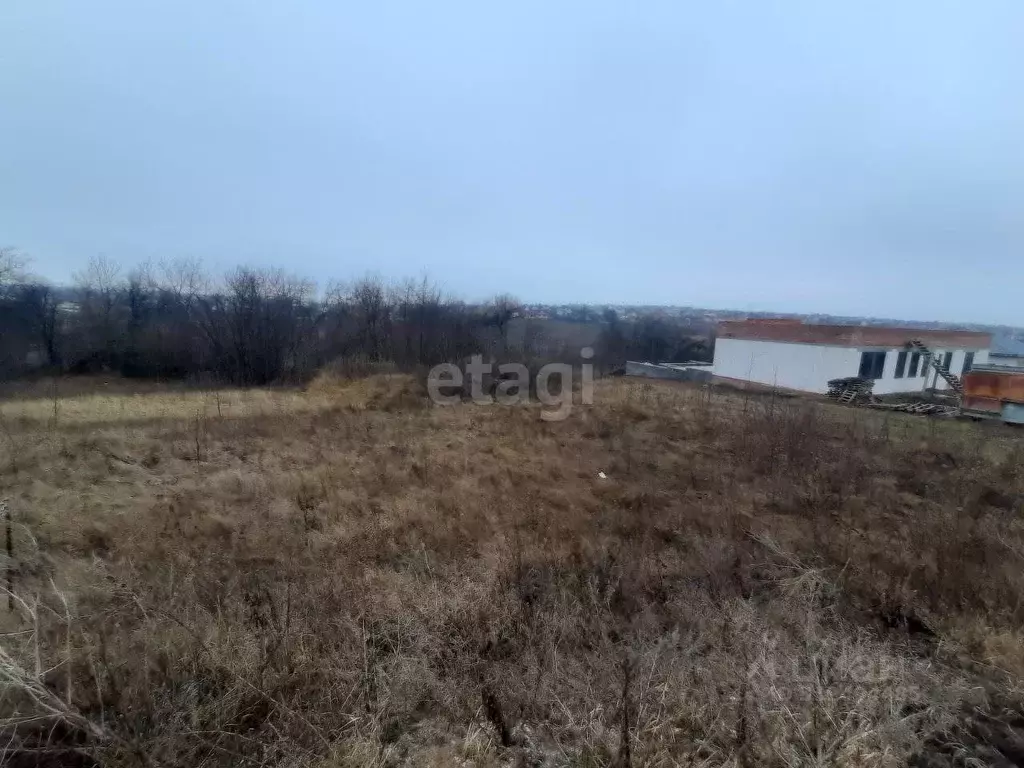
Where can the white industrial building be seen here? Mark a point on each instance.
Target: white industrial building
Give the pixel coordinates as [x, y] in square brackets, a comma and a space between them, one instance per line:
[794, 355]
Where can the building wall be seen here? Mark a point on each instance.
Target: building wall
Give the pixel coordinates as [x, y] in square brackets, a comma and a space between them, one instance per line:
[806, 367]
[890, 385]
[809, 367]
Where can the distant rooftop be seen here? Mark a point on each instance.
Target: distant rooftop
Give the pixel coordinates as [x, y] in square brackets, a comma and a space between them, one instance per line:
[1008, 344]
[798, 332]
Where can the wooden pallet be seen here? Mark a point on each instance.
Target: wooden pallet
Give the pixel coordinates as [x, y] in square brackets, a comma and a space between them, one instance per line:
[925, 409]
[850, 390]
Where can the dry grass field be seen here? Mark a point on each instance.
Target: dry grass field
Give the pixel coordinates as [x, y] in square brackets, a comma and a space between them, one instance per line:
[350, 576]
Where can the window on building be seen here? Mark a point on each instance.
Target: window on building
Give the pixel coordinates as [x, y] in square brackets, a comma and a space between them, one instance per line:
[947, 360]
[968, 362]
[915, 361]
[901, 364]
[872, 364]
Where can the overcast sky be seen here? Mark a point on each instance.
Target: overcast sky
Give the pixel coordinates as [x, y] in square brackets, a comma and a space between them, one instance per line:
[793, 156]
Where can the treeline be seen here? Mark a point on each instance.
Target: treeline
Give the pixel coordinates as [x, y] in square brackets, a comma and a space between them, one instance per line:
[654, 339]
[256, 326]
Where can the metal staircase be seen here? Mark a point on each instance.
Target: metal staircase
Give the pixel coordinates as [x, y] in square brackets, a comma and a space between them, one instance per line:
[952, 379]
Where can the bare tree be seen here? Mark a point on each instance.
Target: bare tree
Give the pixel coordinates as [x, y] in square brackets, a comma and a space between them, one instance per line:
[259, 325]
[372, 310]
[99, 283]
[416, 325]
[101, 275]
[183, 278]
[500, 311]
[140, 295]
[98, 287]
[12, 266]
[38, 303]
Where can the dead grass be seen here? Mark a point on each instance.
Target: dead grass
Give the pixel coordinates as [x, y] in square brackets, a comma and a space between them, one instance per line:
[346, 576]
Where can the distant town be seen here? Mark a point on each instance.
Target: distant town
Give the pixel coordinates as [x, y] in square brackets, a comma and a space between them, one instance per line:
[1004, 338]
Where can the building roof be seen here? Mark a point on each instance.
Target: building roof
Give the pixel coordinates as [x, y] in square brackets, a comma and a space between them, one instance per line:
[798, 332]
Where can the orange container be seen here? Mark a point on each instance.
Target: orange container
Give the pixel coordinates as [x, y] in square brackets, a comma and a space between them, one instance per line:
[987, 390]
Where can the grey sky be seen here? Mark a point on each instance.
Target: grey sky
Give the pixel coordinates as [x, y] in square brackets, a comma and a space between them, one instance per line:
[863, 159]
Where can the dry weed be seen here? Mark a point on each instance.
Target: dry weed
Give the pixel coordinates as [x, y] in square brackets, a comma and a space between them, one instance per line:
[347, 576]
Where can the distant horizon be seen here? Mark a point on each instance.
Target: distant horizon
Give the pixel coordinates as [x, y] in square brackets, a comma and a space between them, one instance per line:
[69, 284]
[67, 281]
[480, 297]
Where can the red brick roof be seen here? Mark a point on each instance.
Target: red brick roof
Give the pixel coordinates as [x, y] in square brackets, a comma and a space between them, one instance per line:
[849, 335]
